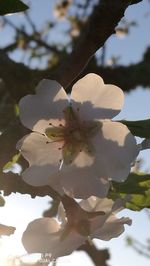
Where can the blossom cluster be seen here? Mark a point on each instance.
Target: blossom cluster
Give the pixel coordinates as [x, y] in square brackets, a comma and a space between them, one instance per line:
[76, 149]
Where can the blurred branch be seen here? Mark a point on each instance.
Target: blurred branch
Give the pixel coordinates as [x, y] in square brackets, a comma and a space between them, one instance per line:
[22, 80]
[100, 27]
[126, 77]
[35, 36]
[33, 26]
[99, 257]
[13, 183]
[139, 247]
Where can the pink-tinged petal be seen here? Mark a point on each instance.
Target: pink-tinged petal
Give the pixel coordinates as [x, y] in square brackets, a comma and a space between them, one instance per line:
[46, 106]
[95, 204]
[6, 230]
[108, 206]
[44, 158]
[112, 228]
[44, 235]
[115, 150]
[95, 100]
[68, 245]
[82, 183]
[83, 160]
[41, 235]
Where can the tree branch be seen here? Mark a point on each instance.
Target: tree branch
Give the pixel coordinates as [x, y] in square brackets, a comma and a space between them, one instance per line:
[99, 257]
[126, 77]
[100, 27]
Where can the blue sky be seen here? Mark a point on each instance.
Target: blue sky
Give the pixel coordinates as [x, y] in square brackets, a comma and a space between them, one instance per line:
[20, 210]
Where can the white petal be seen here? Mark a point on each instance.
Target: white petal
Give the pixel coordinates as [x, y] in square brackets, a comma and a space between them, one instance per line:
[95, 204]
[83, 187]
[37, 111]
[68, 245]
[113, 227]
[82, 183]
[115, 149]
[43, 158]
[96, 100]
[44, 236]
[41, 235]
[83, 160]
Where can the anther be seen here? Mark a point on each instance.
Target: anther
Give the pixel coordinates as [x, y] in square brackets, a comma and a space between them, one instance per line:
[59, 148]
[47, 142]
[60, 125]
[50, 124]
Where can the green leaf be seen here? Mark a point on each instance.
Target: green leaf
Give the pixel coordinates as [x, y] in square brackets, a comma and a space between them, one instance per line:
[140, 128]
[14, 160]
[137, 186]
[11, 6]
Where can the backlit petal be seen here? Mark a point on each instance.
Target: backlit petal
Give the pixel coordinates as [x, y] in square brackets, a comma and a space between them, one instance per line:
[81, 183]
[46, 106]
[41, 235]
[95, 100]
[44, 158]
[113, 227]
[115, 149]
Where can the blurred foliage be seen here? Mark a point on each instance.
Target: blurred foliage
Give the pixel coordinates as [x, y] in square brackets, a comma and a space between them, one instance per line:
[11, 163]
[136, 190]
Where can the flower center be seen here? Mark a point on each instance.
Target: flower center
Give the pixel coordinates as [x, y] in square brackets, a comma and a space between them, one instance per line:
[75, 134]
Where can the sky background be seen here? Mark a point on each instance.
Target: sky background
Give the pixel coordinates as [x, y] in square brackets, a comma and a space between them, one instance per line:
[21, 209]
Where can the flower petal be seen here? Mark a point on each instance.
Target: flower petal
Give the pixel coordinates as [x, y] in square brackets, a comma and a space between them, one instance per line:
[41, 235]
[37, 111]
[115, 150]
[113, 227]
[80, 182]
[95, 100]
[44, 236]
[95, 204]
[68, 245]
[44, 158]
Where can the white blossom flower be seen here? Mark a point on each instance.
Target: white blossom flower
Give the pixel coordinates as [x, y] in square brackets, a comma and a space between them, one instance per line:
[75, 147]
[47, 235]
